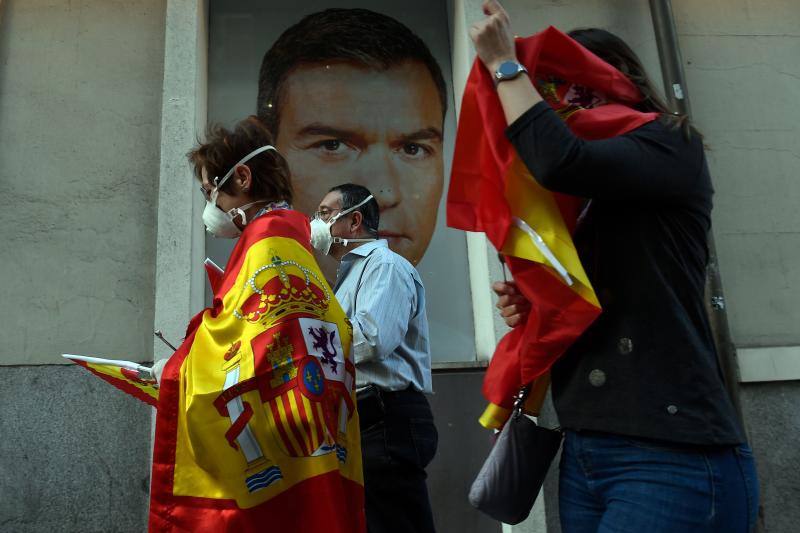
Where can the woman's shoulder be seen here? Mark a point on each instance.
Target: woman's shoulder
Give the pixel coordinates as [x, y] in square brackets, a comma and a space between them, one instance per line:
[670, 130]
[281, 223]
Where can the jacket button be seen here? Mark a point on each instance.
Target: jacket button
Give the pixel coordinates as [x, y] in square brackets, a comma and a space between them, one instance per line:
[625, 345]
[597, 377]
[671, 409]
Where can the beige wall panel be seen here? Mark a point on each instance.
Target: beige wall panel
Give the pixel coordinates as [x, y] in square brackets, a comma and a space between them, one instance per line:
[80, 88]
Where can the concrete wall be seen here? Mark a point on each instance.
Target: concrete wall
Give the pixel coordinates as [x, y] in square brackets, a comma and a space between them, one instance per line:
[463, 446]
[773, 420]
[75, 453]
[80, 86]
[743, 75]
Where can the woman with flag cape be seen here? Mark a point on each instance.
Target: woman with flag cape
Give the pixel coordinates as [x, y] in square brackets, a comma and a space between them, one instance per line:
[256, 427]
[600, 198]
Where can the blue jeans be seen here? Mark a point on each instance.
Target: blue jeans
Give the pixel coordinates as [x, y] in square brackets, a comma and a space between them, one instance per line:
[610, 483]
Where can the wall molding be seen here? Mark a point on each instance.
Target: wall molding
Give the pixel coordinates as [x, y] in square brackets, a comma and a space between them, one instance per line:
[772, 363]
[462, 14]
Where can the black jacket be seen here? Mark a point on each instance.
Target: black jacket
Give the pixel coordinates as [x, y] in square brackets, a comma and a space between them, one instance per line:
[647, 367]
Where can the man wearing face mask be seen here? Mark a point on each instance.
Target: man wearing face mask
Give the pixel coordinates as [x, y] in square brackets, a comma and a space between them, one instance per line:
[382, 294]
[256, 423]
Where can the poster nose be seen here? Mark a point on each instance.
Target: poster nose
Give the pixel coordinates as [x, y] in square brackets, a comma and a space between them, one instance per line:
[378, 174]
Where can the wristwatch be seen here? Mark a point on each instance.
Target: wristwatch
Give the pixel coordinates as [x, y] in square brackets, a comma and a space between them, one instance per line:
[508, 70]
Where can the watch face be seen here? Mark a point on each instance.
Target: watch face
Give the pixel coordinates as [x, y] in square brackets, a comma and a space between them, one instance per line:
[508, 68]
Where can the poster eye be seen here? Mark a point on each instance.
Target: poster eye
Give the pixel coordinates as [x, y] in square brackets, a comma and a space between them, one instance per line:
[416, 151]
[331, 145]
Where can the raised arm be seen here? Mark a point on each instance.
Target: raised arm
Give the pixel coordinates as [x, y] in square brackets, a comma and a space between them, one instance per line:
[494, 44]
[650, 162]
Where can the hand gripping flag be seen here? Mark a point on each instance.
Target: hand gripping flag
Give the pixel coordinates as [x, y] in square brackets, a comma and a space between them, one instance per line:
[492, 191]
[256, 426]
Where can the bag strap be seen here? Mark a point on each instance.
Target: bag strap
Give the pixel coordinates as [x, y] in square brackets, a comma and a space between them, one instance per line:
[519, 399]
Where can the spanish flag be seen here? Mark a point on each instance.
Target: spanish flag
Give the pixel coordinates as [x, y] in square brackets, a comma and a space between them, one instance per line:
[492, 191]
[127, 376]
[256, 425]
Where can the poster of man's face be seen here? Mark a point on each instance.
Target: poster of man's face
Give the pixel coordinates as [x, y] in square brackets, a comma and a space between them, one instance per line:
[355, 95]
[334, 129]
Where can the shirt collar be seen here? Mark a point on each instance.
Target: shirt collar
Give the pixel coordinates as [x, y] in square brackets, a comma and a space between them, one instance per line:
[272, 206]
[365, 249]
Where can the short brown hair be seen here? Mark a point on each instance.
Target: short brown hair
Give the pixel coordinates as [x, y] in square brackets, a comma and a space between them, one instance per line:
[359, 36]
[224, 148]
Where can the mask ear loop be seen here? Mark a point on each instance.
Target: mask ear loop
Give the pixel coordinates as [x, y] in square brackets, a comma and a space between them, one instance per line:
[218, 183]
[340, 240]
[240, 210]
[349, 210]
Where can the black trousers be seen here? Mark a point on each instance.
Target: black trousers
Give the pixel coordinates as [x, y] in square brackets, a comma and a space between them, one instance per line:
[398, 440]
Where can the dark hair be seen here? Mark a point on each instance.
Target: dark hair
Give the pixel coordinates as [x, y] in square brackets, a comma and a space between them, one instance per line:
[352, 195]
[224, 148]
[359, 36]
[619, 55]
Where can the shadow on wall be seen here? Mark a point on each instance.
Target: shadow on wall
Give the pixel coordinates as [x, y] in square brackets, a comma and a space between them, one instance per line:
[463, 446]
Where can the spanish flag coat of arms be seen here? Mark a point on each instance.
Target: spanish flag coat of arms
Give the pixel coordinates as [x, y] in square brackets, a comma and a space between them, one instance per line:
[256, 427]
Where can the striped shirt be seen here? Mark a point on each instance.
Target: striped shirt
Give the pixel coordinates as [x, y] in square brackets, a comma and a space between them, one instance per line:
[383, 296]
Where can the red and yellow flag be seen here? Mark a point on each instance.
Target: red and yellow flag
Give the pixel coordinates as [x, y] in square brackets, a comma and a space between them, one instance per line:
[124, 375]
[492, 191]
[256, 427]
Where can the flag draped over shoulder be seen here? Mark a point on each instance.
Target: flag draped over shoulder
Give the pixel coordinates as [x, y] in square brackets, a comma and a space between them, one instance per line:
[256, 427]
[492, 191]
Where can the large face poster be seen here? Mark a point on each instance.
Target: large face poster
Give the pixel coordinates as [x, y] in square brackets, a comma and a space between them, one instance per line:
[362, 94]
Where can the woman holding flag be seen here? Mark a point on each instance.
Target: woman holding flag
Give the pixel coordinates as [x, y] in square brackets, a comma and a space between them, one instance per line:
[652, 441]
[256, 428]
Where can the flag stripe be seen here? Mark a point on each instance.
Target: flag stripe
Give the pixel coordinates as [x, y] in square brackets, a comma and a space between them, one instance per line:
[302, 417]
[313, 420]
[276, 419]
[319, 420]
[289, 415]
[539, 209]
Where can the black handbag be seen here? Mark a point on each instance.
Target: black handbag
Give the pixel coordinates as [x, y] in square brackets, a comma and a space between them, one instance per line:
[512, 476]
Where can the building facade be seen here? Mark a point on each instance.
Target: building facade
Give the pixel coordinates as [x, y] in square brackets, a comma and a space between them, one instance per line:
[103, 242]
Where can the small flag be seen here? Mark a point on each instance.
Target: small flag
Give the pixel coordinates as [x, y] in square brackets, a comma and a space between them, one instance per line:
[129, 377]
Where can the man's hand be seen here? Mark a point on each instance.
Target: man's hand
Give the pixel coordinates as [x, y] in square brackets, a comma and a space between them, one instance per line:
[513, 306]
[494, 41]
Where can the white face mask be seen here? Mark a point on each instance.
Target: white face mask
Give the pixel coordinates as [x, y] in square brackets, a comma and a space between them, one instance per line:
[218, 222]
[321, 237]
